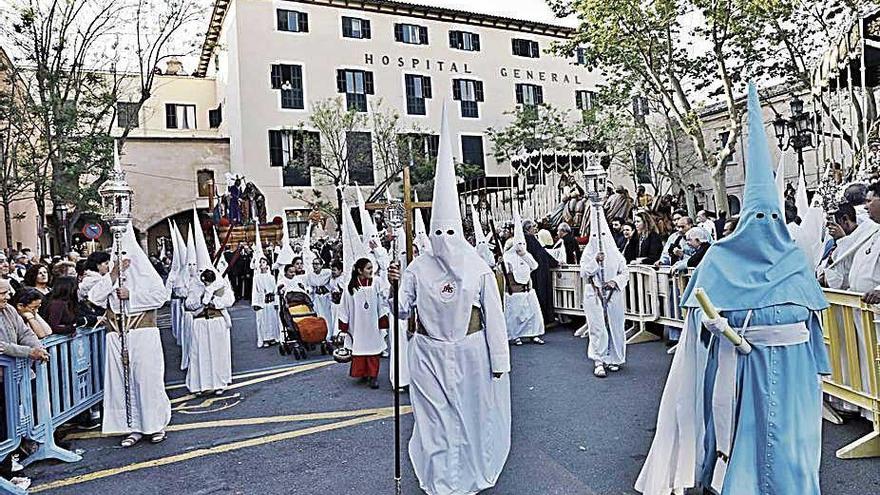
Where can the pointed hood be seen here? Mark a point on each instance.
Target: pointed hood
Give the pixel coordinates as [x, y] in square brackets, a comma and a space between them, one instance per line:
[446, 235]
[479, 236]
[192, 258]
[420, 239]
[285, 254]
[352, 247]
[145, 285]
[368, 227]
[599, 231]
[519, 236]
[800, 197]
[174, 270]
[258, 248]
[307, 254]
[759, 265]
[182, 271]
[203, 257]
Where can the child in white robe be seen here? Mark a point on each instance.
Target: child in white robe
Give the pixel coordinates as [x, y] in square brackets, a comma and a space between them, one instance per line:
[264, 300]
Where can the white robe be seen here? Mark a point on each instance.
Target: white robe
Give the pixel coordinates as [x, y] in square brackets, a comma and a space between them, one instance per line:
[600, 350]
[210, 354]
[461, 436]
[186, 324]
[150, 407]
[361, 312]
[335, 285]
[522, 311]
[322, 303]
[298, 283]
[266, 317]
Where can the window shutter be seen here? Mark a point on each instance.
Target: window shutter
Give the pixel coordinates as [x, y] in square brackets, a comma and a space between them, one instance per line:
[275, 76]
[453, 39]
[276, 156]
[368, 83]
[282, 19]
[535, 51]
[423, 35]
[365, 29]
[579, 100]
[171, 116]
[398, 32]
[409, 84]
[303, 20]
[475, 41]
[519, 94]
[478, 90]
[346, 27]
[426, 86]
[514, 43]
[539, 95]
[340, 81]
[456, 89]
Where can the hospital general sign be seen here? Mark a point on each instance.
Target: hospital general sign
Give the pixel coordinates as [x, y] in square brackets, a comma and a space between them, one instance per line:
[452, 67]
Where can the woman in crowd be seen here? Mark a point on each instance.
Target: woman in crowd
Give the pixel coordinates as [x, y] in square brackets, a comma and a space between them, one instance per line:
[61, 308]
[96, 266]
[27, 303]
[630, 248]
[37, 277]
[363, 314]
[650, 244]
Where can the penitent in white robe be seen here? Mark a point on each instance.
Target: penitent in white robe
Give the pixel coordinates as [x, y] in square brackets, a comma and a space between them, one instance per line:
[150, 407]
[266, 317]
[320, 282]
[210, 354]
[600, 349]
[522, 311]
[335, 285]
[361, 311]
[461, 436]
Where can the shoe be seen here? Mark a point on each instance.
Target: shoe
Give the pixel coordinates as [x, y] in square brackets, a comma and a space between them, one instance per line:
[599, 371]
[158, 437]
[613, 367]
[219, 391]
[517, 341]
[385, 354]
[538, 340]
[130, 440]
[374, 383]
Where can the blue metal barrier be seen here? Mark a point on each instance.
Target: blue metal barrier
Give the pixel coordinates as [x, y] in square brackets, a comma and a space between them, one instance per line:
[69, 384]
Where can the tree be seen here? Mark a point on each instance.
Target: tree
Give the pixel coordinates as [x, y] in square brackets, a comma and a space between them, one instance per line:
[533, 128]
[648, 47]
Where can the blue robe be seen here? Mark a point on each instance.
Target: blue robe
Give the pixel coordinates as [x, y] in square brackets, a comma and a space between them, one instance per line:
[778, 420]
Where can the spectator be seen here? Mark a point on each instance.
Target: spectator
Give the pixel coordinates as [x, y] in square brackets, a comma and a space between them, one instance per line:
[37, 277]
[541, 281]
[720, 222]
[643, 199]
[704, 220]
[730, 225]
[4, 273]
[21, 265]
[572, 251]
[27, 302]
[699, 241]
[617, 233]
[844, 224]
[856, 194]
[73, 257]
[631, 245]
[676, 245]
[61, 309]
[63, 269]
[619, 204]
[649, 242]
[97, 265]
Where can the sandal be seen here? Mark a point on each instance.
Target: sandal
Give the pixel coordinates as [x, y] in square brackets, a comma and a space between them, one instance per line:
[599, 371]
[158, 437]
[130, 440]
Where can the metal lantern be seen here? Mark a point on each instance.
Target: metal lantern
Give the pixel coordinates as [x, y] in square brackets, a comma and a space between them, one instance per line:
[116, 199]
[595, 176]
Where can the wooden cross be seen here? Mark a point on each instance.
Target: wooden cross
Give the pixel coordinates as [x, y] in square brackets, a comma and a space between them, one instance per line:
[409, 206]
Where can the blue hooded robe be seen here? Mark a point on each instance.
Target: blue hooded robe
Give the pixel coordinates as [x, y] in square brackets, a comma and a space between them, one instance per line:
[757, 276]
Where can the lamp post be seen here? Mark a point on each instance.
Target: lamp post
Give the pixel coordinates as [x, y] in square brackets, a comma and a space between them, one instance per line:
[798, 129]
[64, 241]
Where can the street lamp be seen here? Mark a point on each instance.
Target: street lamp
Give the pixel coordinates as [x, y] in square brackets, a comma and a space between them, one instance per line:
[798, 129]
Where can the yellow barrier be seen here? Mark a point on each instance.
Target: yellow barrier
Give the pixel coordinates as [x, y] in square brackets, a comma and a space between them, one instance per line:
[653, 295]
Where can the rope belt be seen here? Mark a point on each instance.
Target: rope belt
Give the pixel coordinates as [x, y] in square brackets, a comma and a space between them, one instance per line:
[210, 313]
[724, 394]
[474, 325]
[146, 319]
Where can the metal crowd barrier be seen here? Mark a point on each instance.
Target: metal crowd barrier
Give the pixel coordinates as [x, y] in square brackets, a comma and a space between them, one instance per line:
[851, 329]
[40, 397]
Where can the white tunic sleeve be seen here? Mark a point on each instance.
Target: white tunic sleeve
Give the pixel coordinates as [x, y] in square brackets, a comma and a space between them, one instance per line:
[621, 278]
[100, 292]
[406, 293]
[496, 328]
[258, 294]
[220, 295]
[589, 265]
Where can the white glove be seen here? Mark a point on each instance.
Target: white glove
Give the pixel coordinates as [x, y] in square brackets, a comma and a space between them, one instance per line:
[716, 326]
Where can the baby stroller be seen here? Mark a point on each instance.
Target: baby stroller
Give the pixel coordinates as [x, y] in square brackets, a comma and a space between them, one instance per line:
[301, 328]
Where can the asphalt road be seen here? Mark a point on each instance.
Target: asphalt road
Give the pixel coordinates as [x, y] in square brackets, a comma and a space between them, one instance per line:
[305, 427]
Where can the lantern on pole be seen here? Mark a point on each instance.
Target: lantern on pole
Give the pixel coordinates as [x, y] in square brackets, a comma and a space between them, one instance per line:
[595, 176]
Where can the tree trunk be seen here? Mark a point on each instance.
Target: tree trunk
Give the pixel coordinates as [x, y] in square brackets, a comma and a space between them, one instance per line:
[339, 209]
[41, 227]
[690, 202]
[719, 187]
[7, 219]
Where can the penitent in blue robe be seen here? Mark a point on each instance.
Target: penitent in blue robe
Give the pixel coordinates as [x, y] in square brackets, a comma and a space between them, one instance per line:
[778, 420]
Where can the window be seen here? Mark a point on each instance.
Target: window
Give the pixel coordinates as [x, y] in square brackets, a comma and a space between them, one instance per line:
[525, 48]
[352, 27]
[356, 84]
[584, 99]
[462, 40]
[469, 93]
[472, 150]
[296, 152]
[529, 94]
[359, 147]
[127, 114]
[723, 137]
[292, 21]
[288, 78]
[424, 147]
[180, 116]
[205, 181]
[418, 88]
[411, 34]
[581, 55]
[215, 117]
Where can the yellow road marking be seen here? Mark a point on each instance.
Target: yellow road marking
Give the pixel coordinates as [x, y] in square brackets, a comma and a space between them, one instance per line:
[248, 374]
[225, 423]
[207, 402]
[219, 449]
[299, 369]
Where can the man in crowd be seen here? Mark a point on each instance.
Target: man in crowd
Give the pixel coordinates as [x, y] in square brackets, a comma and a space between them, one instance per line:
[542, 282]
[676, 247]
[617, 233]
[845, 223]
[856, 194]
[705, 219]
[855, 263]
[5, 275]
[572, 250]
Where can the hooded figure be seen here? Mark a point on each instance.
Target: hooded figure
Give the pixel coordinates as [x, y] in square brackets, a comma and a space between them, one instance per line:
[210, 353]
[372, 241]
[190, 275]
[285, 254]
[420, 240]
[606, 275]
[746, 423]
[522, 311]
[138, 293]
[264, 299]
[176, 281]
[481, 244]
[318, 281]
[459, 357]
